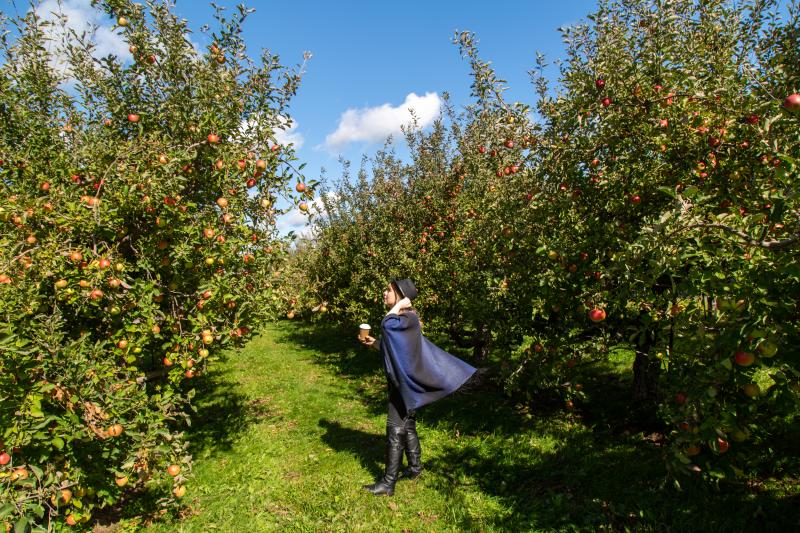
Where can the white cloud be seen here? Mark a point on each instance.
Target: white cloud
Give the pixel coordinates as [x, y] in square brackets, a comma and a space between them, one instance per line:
[290, 135]
[79, 16]
[373, 124]
[295, 220]
[283, 135]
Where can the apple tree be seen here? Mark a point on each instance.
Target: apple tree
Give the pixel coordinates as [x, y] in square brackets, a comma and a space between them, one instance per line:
[137, 219]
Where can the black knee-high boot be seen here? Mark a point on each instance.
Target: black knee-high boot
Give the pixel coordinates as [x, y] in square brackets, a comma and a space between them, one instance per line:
[395, 439]
[413, 449]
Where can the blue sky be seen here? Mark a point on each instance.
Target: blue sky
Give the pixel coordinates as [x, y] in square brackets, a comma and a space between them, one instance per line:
[372, 59]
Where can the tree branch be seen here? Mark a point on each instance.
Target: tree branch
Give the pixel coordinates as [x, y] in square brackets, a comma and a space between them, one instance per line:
[771, 244]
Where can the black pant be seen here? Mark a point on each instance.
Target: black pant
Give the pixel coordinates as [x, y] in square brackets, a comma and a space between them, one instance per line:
[397, 413]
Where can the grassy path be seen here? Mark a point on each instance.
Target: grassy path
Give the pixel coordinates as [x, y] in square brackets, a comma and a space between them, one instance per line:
[290, 429]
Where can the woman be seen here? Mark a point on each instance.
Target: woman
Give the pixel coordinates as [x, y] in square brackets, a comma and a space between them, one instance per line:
[417, 372]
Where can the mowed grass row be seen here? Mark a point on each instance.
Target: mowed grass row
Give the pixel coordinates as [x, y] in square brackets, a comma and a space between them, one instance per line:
[289, 429]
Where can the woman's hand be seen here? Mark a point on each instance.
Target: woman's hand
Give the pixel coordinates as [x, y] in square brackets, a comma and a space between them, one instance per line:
[367, 341]
[405, 303]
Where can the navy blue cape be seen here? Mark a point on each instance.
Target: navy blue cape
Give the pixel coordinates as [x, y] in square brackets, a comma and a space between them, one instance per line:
[421, 371]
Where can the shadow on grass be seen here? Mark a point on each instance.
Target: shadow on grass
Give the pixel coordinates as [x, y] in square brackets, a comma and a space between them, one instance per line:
[368, 448]
[589, 485]
[223, 413]
[600, 474]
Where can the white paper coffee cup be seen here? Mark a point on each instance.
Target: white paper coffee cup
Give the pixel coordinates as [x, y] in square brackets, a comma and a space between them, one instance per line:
[363, 331]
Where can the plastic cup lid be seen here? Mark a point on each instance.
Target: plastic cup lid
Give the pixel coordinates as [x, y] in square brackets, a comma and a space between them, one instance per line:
[364, 326]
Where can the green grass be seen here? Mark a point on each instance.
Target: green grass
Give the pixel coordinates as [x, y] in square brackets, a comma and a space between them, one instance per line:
[288, 430]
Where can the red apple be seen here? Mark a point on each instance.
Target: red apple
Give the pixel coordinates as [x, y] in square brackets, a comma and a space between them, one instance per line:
[680, 398]
[743, 358]
[300, 187]
[597, 315]
[792, 103]
[133, 118]
[212, 138]
[606, 101]
[4, 459]
[599, 83]
[723, 445]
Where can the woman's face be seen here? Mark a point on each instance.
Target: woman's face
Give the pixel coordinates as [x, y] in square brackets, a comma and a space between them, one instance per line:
[390, 296]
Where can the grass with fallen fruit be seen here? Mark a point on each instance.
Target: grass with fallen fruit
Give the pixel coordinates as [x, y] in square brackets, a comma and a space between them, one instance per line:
[289, 429]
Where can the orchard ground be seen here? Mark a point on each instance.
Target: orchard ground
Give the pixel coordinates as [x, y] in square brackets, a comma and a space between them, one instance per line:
[288, 430]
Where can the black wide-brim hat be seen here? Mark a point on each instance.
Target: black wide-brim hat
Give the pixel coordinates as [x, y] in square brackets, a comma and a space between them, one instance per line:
[406, 288]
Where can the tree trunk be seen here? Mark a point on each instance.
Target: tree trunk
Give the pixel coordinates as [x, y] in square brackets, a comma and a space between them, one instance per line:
[646, 371]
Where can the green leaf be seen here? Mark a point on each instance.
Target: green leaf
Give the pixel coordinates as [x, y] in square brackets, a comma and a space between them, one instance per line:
[58, 443]
[36, 470]
[668, 191]
[691, 192]
[21, 526]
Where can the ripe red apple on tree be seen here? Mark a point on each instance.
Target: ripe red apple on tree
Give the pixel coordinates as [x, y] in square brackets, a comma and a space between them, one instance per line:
[599, 83]
[4, 459]
[597, 315]
[212, 138]
[743, 358]
[133, 117]
[723, 445]
[792, 103]
[606, 101]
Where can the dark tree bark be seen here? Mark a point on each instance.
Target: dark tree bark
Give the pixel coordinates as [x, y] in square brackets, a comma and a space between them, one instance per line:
[646, 373]
[479, 340]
